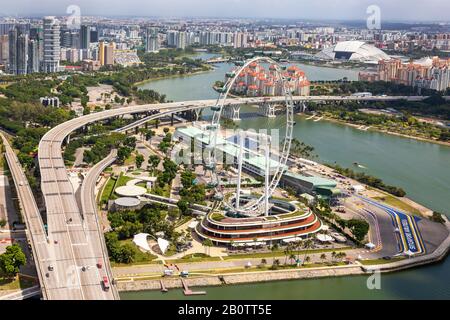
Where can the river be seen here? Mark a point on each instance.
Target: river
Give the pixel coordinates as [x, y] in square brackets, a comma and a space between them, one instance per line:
[421, 168]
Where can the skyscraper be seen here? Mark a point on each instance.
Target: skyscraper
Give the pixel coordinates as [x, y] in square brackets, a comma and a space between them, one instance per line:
[33, 56]
[85, 37]
[22, 54]
[51, 45]
[12, 64]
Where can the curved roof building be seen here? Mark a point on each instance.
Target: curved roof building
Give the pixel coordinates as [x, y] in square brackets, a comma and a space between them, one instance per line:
[358, 51]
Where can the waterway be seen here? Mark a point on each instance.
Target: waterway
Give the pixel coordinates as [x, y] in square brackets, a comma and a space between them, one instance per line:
[421, 168]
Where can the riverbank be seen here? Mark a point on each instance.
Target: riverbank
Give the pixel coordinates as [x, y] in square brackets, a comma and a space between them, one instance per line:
[356, 126]
[140, 83]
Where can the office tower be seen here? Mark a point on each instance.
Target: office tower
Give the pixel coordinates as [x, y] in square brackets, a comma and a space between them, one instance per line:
[36, 34]
[109, 54]
[22, 54]
[101, 53]
[94, 36]
[51, 45]
[12, 64]
[4, 49]
[5, 28]
[33, 56]
[85, 37]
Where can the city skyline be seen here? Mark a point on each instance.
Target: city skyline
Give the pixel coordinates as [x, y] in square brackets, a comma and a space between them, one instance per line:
[433, 10]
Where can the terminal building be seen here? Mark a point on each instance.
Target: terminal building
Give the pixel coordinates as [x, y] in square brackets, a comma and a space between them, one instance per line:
[286, 222]
[255, 163]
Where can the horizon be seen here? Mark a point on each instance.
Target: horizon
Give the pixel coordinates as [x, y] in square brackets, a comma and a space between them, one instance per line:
[432, 11]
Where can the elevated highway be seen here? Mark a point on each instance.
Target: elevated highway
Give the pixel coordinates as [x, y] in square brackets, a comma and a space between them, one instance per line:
[32, 218]
[89, 209]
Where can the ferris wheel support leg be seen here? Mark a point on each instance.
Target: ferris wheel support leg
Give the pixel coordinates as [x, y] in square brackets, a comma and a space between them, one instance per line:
[266, 185]
[241, 151]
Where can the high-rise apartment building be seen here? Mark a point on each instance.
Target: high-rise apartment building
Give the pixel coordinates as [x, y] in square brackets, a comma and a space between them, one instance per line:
[240, 40]
[109, 54]
[51, 45]
[4, 49]
[152, 43]
[101, 52]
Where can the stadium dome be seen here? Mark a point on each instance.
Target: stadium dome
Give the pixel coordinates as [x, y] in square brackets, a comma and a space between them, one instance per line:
[357, 51]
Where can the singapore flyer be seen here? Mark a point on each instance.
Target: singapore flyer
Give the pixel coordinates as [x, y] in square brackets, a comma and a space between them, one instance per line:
[260, 204]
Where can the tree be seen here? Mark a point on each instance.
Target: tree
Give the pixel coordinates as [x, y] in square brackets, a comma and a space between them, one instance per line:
[166, 130]
[126, 253]
[139, 160]
[323, 257]
[333, 255]
[12, 260]
[183, 205]
[153, 162]
[2, 223]
[307, 244]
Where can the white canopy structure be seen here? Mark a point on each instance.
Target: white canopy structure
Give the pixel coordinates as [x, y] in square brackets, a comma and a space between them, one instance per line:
[324, 238]
[141, 241]
[163, 245]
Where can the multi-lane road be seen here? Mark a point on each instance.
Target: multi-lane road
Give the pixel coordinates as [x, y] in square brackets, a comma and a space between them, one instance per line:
[32, 217]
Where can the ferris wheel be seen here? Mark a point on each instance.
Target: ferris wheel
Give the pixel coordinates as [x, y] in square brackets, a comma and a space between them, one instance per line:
[258, 205]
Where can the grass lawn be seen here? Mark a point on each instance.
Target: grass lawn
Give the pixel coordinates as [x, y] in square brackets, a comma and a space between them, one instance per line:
[395, 202]
[16, 283]
[140, 257]
[380, 261]
[122, 180]
[107, 190]
[131, 160]
[195, 257]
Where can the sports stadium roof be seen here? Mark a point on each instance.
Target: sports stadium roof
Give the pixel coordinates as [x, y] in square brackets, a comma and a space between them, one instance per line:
[357, 51]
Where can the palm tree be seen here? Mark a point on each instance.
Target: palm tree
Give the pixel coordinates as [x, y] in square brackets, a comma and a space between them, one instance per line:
[275, 263]
[323, 257]
[307, 244]
[263, 261]
[292, 257]
[307, 259]
[333, 255]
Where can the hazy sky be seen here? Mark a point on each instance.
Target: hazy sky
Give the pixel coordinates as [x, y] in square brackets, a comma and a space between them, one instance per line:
[411, 10]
